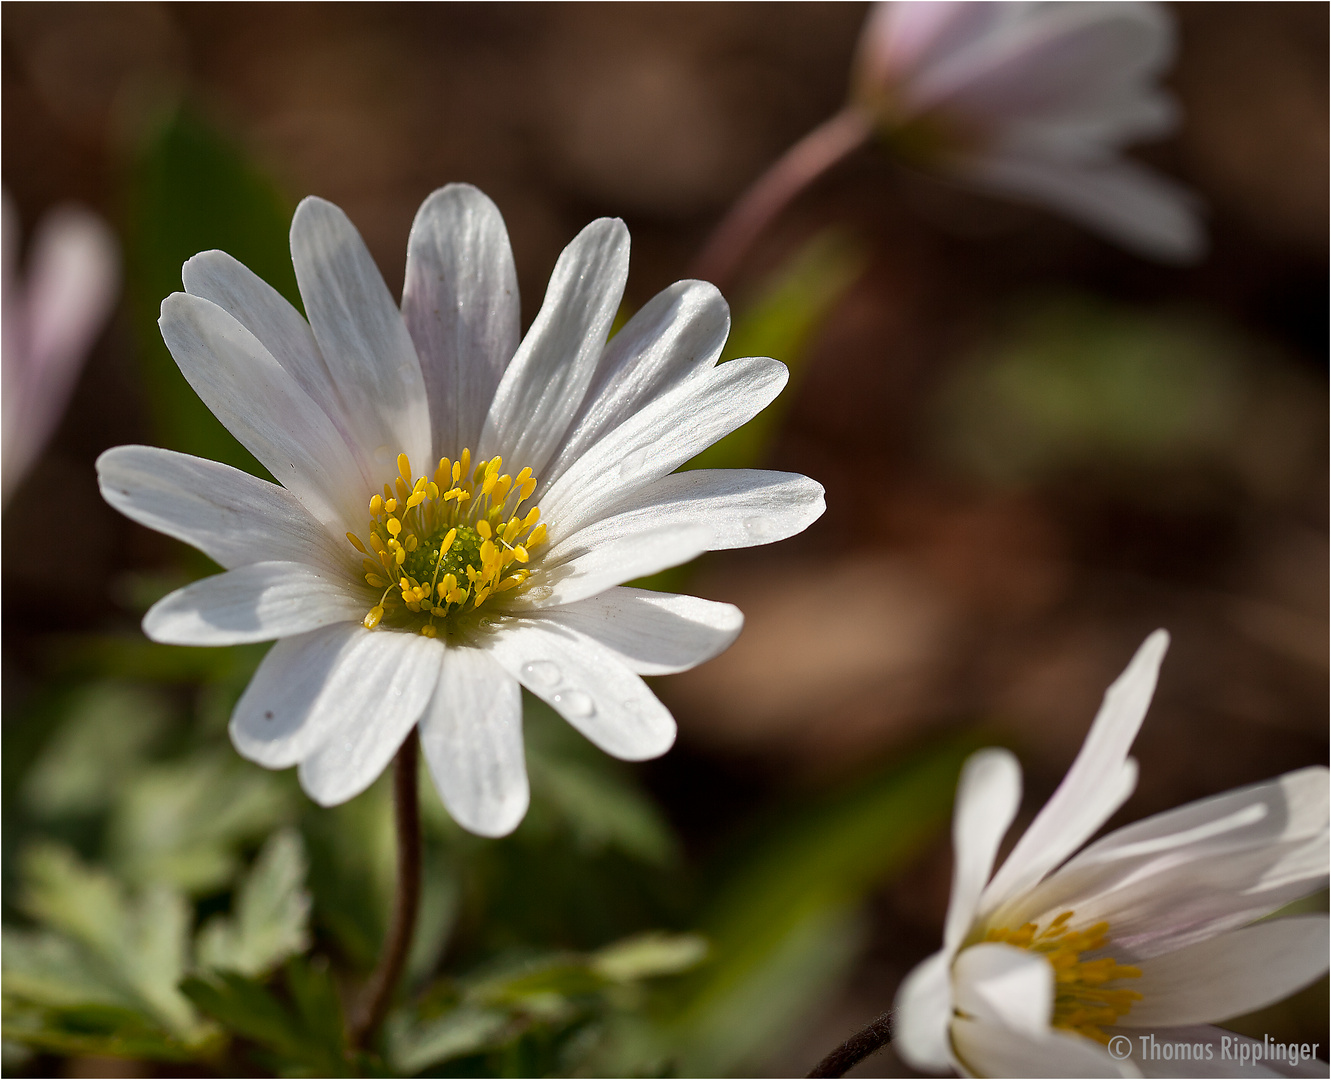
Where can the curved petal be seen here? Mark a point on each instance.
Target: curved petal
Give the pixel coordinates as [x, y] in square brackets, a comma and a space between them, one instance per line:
[297, 695]
[653, 633]
[471, 735]
[679, 332]
[1232, 974]
[364, 342]
[385, 682]
[261, 405]
[987, 1049]
[1098, 783]
[258, 602]
[232, 517]
[1186, 875]
[544, 385]
[1123, 201]
[611, 563]
[661, 436]
[988, 797]
[460, 303]
[741, 507]
[586, 684]
[920, 1026]
[1002, 984]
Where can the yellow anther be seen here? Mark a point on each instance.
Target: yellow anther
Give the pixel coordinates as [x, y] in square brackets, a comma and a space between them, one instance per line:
[525, 489]
[488, 552]
[404, 467]
[508, 583]
[428, 630]
[390, 504]
[446, 545]
[483, 527]
[394, 527]
[415, 500]
[373, 616]
[400, 556]
[488, 484]
[520, 553]
[502, 486]
[463, 463]
[537, 537]
[374, 581]
[533, 516]
[355, 542]
[432, 490]
[400, 486]
[376, 505]
[412, 543]
[523, 476]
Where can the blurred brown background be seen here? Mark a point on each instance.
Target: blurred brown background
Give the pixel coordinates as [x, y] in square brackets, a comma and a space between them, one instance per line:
[930, 596]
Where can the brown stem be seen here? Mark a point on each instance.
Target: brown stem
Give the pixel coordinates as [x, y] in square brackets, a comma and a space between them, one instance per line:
[859, 1046]
[378, 992]
[798, 167]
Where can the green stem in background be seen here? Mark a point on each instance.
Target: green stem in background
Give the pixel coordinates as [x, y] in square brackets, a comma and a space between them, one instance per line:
[866, 1041]
[378, 992]
[772, 192]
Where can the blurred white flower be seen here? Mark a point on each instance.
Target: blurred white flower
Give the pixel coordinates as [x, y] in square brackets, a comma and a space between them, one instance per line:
[402, 596]
[50, 320]
[1036, 101]
[1150, 930]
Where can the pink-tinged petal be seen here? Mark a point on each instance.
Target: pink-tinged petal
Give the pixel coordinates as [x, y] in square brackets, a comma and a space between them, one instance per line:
[386, 683]
[988, 797]
[987, 1049]
[361, 335]
[260, 403]
[923, 1016]
[1232, 974]
[544, 385]
[258, 602]
[471, 735]
[1002, 984]
[902, 38]
[587, 684]
[679, 333]
[1098, 783]
[653, 633]
[232, 517]
[460, 303]
[741, 508]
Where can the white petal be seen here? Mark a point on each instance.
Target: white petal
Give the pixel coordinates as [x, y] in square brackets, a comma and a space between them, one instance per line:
[385, 684]
[258, 602]
[1120, 199]
[902, 38]
[1098, 783]
[653, 633]
[266, 313]
[1002, 984]
[460, 303]
[679, 333]
[232, 517]
[660, 437]
[991, 1050]
[1189, 874]
[361, 335]
[741, 507]
[988, 796]
[1235, 973]
[471, 735]
[297, 695]
[261, 405]
[586, 684]
[1214, 1052]
[544, 385]
[611, 563]
[923, 1015]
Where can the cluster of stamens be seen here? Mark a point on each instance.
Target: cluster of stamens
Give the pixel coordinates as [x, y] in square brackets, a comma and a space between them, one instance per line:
[1082, 1001]
[443, 545]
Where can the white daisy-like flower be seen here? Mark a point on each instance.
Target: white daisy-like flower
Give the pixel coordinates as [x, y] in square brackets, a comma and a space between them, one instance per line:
[403, 564]
[1035, 101]
[1061, 962]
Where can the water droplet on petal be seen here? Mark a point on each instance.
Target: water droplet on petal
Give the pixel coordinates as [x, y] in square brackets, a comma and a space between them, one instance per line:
[760, 528]
[542, 672]
[574, 703]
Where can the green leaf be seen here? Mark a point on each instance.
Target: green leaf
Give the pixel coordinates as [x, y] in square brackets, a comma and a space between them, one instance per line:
[458, 1033]
[48, 969]
[191, 190]
[96, 1030]
[650, 954]
[107, 731]
[783, 922]
[182, 821]
[271, 917]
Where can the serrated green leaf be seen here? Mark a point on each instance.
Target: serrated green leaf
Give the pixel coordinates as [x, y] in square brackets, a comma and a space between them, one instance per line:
[645, 956]
[48, 969]
[96, 1030]
[271, 917]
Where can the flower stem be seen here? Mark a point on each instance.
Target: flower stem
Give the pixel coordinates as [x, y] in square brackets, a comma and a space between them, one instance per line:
[859, 1046]
[378, 992]
[798, 167]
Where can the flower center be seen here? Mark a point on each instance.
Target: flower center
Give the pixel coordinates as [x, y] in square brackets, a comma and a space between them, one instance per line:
[439, 547]
[1082, 1001]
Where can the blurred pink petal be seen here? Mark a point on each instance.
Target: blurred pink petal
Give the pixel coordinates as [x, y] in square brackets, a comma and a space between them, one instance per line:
[50, 322]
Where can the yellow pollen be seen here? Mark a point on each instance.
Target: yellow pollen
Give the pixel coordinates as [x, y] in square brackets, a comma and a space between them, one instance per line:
[441, 547]
[1083, 1002]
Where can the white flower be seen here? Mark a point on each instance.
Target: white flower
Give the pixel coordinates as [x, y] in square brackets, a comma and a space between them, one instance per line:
[404, 595]
[1035, 100]
[50, 321]
[1148, 929]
